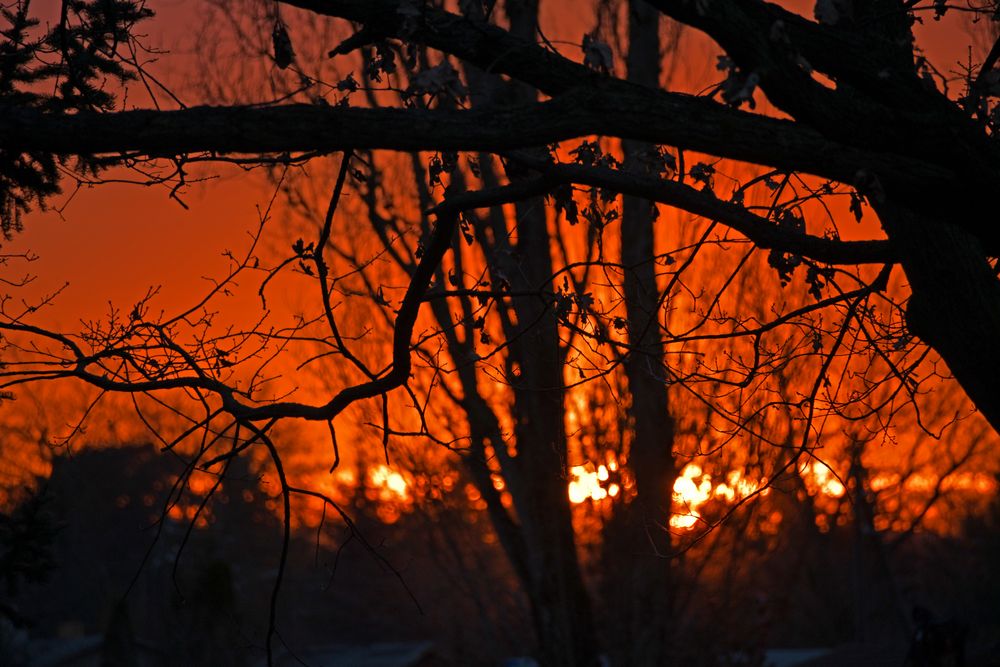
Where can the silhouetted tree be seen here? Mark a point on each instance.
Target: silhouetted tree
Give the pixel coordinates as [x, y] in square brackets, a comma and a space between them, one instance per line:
[27, 537]
[850, 110]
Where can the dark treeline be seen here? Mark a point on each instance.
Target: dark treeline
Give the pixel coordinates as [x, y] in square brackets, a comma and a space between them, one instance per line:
[80, 565]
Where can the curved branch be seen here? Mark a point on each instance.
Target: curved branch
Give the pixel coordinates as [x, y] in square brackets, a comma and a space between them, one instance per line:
[764, 233]
[761, 231]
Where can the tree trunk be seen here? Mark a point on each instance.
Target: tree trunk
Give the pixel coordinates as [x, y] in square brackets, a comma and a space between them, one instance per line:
[955, 301]
[641, 544]
[559, 598]
[538, 539]
[537, 535]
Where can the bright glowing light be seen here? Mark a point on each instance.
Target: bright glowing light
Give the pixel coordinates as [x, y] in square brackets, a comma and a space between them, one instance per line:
[819, 477]
[683, 521]
[883, 481]
[585, 483]
[694, 487]
[921, 482]
[390, 482]
[588, 483]
[498, 482]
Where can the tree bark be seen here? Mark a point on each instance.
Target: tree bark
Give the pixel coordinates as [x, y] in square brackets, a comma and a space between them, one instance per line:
[538, 535]
[642, 551]
[955, 302]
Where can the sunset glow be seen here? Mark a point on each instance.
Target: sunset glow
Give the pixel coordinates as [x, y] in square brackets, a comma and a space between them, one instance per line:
[693, 488]
[555, 333]
[586, 482]
[820, 479]
[384, 477]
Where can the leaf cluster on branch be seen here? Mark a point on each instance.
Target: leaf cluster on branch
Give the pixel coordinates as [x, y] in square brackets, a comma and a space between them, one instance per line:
[62, 70]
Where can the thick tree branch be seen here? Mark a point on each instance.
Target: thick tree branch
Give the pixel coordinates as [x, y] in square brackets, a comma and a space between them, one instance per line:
[841, 54]
[760, 51]
[674, 119]
[879, 104]
[487, 46]
[780, 45]
[879, 101]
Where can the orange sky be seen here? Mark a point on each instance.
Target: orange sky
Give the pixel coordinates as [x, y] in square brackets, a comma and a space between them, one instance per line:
[116, 241]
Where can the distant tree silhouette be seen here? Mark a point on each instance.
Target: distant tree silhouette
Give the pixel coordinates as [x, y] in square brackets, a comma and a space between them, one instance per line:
[837, 107]
[27, 536]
